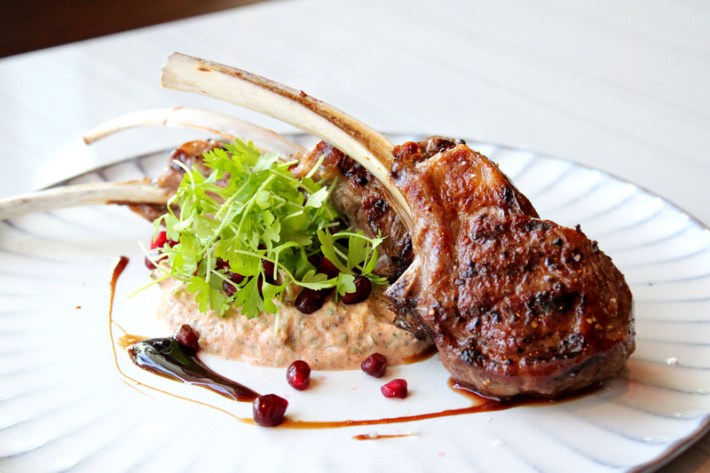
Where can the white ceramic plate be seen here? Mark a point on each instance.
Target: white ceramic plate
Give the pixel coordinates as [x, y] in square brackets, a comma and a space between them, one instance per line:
[63, 405]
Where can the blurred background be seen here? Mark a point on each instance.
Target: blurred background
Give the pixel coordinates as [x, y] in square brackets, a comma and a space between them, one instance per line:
[28, 25]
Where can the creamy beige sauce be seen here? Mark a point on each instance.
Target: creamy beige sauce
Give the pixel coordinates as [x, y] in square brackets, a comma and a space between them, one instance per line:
[335, 337]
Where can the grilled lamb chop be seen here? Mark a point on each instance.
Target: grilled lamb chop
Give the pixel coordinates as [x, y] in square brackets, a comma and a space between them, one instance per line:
[516, 305]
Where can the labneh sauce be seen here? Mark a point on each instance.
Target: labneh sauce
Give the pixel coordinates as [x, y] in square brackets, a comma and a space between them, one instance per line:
[167, 358]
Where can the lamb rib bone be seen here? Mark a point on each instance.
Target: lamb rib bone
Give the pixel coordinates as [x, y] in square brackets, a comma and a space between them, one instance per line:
[83, 194]
[143, 192]
[226, 126]
[369, 148]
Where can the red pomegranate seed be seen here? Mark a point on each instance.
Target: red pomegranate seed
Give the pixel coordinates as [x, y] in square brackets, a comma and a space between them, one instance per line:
[269, 410]
[298, 375]
[310, 300]
[268, 268]
[326, 267]
[231, 289]
[188, 338]
[395, 388]
[160, 240]
[153, 255]
[375, 365]
[363, 288]
[315, 260]
[149, 264]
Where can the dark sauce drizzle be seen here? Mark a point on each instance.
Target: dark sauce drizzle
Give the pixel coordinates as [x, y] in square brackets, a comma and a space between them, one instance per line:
[380, 436]
[118, 268]
[167, 358]
[478, 404]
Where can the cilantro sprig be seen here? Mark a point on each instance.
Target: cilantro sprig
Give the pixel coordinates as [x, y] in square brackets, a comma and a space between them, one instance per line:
[248, 209]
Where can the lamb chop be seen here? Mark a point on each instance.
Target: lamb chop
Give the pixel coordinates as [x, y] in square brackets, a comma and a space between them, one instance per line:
[504, 295]
[516, 305]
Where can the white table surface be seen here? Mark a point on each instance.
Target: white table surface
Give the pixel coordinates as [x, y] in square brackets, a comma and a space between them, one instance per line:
[621, 86]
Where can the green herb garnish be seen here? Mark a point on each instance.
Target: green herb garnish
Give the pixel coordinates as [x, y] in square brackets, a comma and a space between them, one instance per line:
[250, 210]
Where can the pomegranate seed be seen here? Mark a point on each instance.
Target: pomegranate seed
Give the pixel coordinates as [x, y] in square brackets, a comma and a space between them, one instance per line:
[310, 300]
[269, 410]
[153, 255]
[230, 289]
[363, 288]
[187, 337]
[326, 267]
[149, 264]
[315, 260]
[375, 365]
[160, 240]
[395, 388]
[268, 267]
[298, 375]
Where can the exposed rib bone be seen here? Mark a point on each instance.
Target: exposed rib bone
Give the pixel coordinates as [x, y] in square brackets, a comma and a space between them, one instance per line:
[220, 124]
[363, 144]
[142, 192]
[83, 194]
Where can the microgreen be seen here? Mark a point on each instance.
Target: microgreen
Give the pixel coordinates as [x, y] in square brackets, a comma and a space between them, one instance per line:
[250, 210]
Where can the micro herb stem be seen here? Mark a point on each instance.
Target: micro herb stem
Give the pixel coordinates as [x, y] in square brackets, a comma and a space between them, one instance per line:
[251, 202]
[315, 167]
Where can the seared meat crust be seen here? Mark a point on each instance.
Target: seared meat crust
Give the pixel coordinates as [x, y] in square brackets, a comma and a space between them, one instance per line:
[516, 305]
